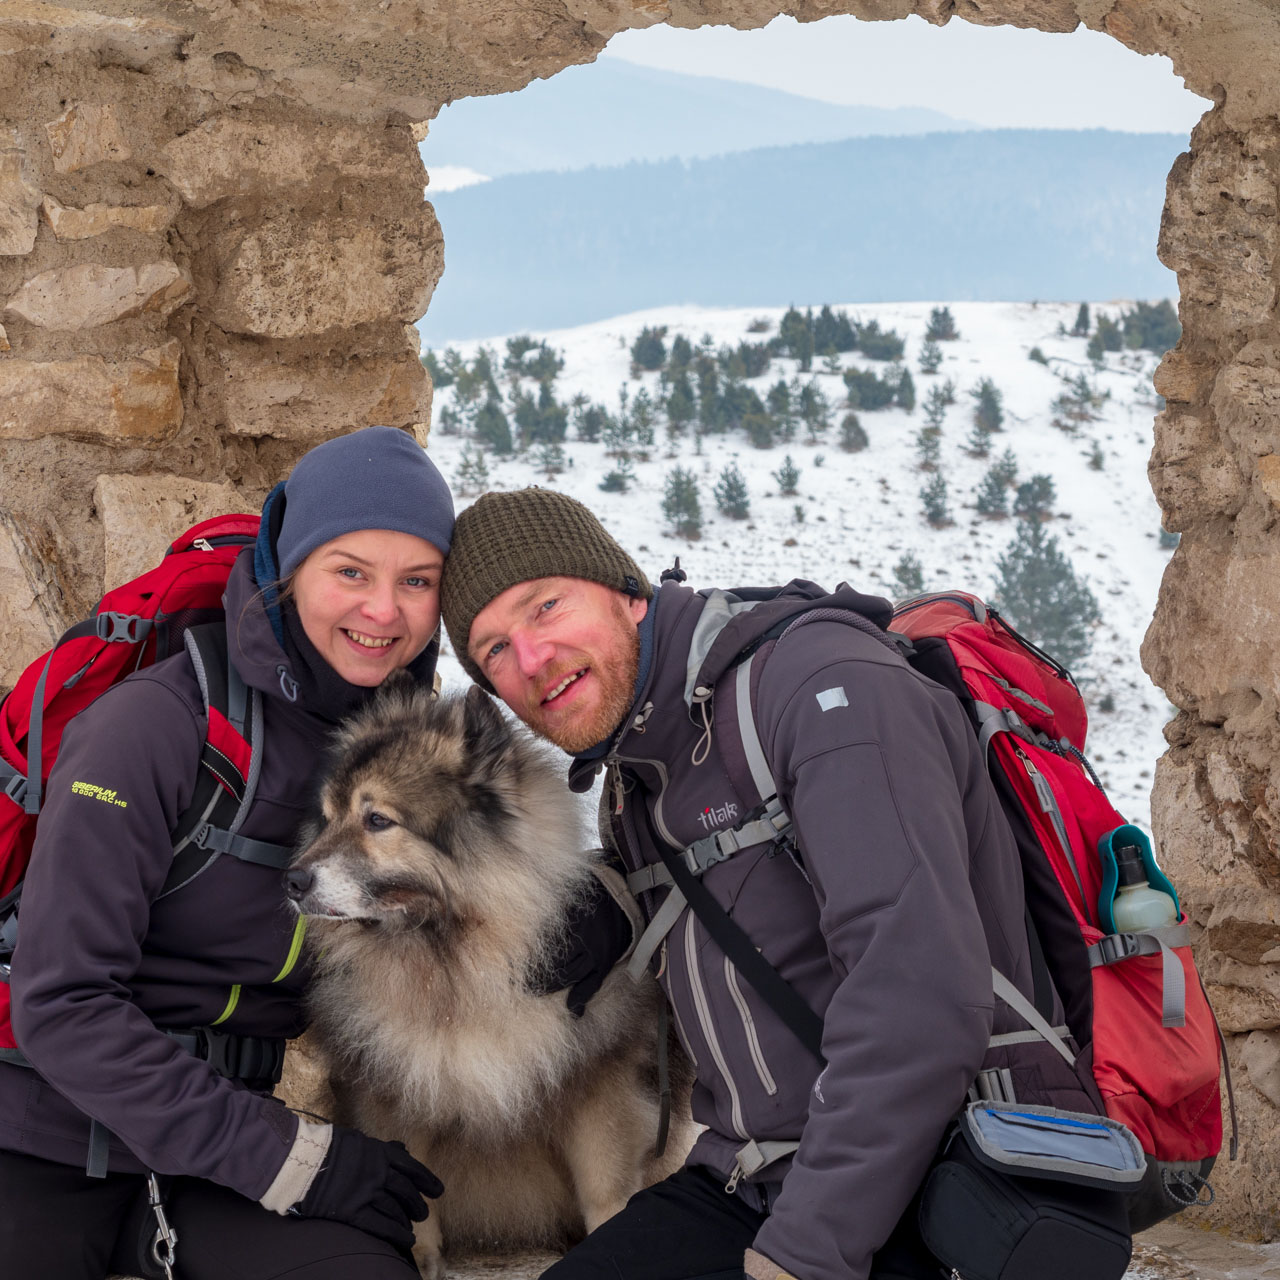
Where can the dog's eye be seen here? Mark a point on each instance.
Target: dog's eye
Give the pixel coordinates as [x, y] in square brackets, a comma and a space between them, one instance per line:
[376, 821]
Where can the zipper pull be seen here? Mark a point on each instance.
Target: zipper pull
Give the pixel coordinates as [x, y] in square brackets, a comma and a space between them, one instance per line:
[613, 780]
[734, 1178]
[202, 544]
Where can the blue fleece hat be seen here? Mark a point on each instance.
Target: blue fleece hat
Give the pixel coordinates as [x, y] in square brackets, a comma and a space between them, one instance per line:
[376, 478]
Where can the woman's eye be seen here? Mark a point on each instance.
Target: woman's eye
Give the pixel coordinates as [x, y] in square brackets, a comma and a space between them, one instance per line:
[349, 573]
[417, 582]
[376, 821]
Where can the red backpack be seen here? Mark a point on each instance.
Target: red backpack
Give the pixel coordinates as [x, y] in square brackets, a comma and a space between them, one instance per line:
[1134, 998]
[175, 605]
[1134, 1003]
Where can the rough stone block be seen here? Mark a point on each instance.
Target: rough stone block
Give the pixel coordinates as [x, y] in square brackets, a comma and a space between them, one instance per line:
[19, 200]
[1269, 477]
[95, 219]
[4, 339]
[36, 24]
[141, 515]
[90, 294]
[135, 399]
[234, 156]
[25, 627]
[290, 276]
[311, 401]
[1261, 1057]
[86, 133]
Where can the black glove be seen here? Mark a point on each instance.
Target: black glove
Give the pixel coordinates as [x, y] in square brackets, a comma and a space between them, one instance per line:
[596, 935]
[374, 1185]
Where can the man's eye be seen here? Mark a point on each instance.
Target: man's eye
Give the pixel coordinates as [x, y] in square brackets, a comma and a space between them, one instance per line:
[547, 606]
[495, 650]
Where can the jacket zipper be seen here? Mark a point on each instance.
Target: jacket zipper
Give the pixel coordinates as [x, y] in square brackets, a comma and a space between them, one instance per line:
[703, 1010]
[1049, 805]
[749, 1026]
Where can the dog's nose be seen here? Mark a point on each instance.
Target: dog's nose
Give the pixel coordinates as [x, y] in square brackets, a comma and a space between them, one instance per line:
[298, 882]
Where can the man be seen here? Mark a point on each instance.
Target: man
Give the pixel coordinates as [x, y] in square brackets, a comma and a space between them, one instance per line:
[897, 891]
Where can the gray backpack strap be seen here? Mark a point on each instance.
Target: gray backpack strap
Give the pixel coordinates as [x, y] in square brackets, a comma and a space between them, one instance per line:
[1019, 1003]
[1115, 947]
[651, 939]
[749, 735]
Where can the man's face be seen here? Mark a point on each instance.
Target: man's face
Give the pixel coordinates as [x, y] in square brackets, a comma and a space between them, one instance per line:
[563, 654]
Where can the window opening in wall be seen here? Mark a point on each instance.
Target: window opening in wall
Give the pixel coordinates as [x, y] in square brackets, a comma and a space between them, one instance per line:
[864, 301]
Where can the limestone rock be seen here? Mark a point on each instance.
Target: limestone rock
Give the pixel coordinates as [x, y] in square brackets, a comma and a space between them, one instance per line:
[19, 200]
[86, 133]
[26, 627]
[1269, 476]
[90, 294]
[238, 156]
[35, 24]
[134, 400]
[4, 339]
[293, 276]
[95, 219]
[308, 401]
[1261, 1058]
[141, 515]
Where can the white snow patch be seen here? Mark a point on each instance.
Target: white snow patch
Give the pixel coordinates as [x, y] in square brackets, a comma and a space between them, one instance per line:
[862, 510]
[450, 177]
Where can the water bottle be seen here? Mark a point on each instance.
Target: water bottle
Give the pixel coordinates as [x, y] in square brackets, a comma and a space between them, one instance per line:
[1138, 907]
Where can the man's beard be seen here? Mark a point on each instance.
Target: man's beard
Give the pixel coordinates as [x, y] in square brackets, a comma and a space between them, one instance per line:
[616, 672]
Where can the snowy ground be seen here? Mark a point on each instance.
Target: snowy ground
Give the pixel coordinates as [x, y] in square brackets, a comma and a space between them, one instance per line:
[862, 510]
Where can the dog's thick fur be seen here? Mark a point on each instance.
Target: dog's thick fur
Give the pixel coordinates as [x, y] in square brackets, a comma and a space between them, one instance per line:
[448, 853]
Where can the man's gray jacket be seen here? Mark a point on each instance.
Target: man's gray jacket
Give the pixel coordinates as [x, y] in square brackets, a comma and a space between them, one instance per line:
[902, 890]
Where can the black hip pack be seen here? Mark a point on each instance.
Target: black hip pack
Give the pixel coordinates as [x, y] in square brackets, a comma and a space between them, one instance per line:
[1029, 1193]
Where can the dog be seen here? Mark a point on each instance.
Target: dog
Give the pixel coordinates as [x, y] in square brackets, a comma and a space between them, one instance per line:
[437, 882]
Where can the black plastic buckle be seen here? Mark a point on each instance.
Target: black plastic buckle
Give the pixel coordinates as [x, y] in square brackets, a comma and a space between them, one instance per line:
[1114, 947]
[16, 790]
[128, 628]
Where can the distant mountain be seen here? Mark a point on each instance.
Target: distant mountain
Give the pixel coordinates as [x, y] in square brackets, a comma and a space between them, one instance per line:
[990, 215]
[612, 112]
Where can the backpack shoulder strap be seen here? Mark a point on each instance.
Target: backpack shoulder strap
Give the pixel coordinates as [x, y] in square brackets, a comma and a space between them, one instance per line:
[230, 764]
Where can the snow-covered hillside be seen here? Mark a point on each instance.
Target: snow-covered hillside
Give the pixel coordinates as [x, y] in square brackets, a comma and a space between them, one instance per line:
[862, 511]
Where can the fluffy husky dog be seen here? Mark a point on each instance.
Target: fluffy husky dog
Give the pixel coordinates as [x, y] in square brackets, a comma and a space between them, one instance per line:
[448, 852]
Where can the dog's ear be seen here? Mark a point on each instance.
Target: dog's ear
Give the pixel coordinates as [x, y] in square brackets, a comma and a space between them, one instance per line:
[484, 730]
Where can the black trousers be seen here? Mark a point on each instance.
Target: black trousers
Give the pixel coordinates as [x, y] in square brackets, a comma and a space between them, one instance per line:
[689, 1228]
[58, 1224]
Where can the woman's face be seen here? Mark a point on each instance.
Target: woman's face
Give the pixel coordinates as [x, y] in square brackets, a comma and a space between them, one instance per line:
[370, 601]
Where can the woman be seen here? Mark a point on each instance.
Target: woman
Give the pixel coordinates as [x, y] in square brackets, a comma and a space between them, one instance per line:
[341, 589]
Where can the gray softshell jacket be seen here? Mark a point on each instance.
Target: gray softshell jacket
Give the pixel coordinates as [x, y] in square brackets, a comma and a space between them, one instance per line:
[903, 889]
[101, 963]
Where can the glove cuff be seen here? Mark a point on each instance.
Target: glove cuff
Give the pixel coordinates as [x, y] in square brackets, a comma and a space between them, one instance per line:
[306, 1155]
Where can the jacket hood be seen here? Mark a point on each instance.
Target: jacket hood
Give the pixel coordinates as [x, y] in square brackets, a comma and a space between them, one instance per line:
[255, 649]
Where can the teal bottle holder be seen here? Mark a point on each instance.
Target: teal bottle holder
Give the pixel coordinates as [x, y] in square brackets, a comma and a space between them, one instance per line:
[1128, 834]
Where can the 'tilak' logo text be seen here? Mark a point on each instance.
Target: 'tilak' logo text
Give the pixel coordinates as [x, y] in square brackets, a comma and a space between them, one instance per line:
[713, 819]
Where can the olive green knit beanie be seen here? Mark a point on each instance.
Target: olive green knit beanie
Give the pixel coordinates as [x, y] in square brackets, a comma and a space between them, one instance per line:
[506, 538]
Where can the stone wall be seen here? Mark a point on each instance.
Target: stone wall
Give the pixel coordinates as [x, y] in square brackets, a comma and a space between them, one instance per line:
[213, 243]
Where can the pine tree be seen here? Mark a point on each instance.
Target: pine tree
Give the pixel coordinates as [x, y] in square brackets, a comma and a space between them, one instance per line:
[814, 409]
[642, 422]
[517, 348]
[1038, 591]
[1096, 351]
[760, 429]
[619, 479]
[979, 443]
[781, 406]
[795, 333]
[1006, 468]
[473, 473]
[440, 376]
[933, 497]
[787, 476]
[949, 392]
[930, 357]
[1034, 499]
[1038, 356]
[681, 505]
[1082, 325]
[935, 407]
[1152, 326]
[681, 355]
[993, 496]
[1097, 459]
[616, 436]
[730, 493]
[679, 406]
[1110, 335]
[908, 576]
[649, 351]
[942, 326]
[853, 439]
[928, 449]
[880, 344]
[987, 407]
[491, 427]
[550, 458]
[906, 394]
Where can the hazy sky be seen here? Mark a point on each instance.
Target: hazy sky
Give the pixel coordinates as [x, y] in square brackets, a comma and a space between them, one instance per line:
[994, 76]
